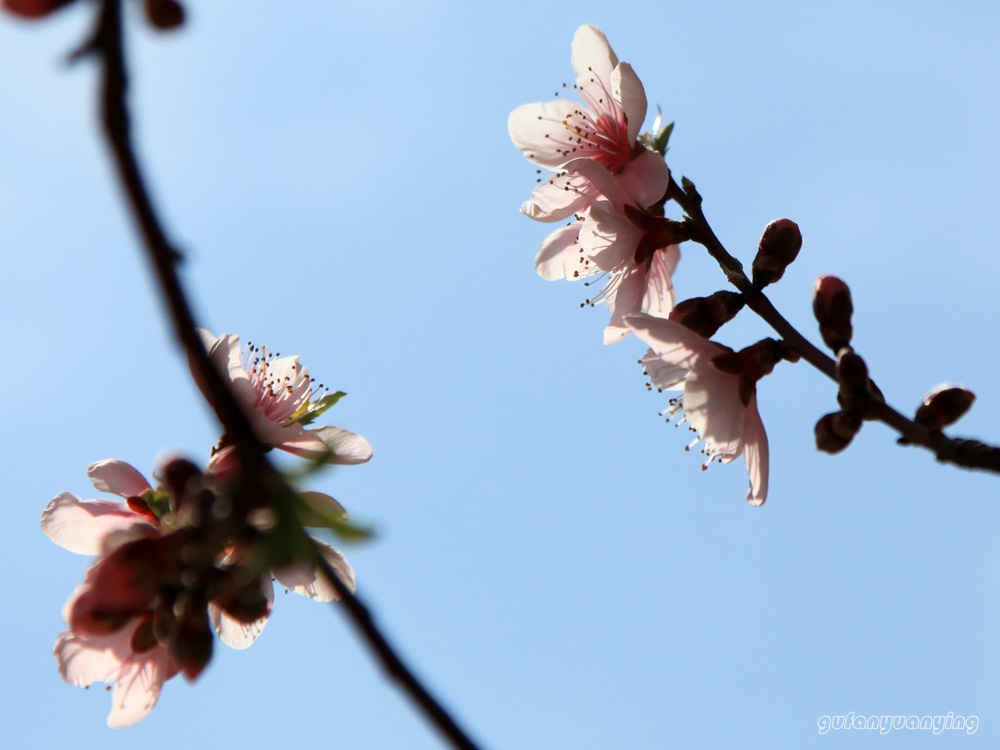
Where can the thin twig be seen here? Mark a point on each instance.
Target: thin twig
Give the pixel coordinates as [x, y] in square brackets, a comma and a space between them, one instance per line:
[107, 44]
[970, 454]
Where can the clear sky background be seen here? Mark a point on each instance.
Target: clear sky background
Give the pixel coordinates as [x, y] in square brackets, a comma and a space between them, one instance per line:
[549, 558]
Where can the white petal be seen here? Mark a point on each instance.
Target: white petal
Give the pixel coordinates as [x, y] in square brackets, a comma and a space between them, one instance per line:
[81, 526]
[608, 238]
[337, 445]
[664, 376]
[674, 343]
[592, 55]
[310, 582]
[538, 131]
[756, 454]
[235, 633]
[561, 256]
[628, 92]
[117, 477]
[659, 294]
[137, 687]
[713, 407]
[560, 197]
[645, 179]
[626, 300]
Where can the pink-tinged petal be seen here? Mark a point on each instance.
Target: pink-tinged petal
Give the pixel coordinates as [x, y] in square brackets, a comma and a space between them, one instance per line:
[603, 181]
[137, 678]
[628, 91]
[81, 526]
[138, 687]
[659, 298]
[644, 180]
[713, 407]
[538, 130]
[673, 342]
[336, 444]
[235, 633]
[118, 478]
[755, 454]
[84, 660]
[559, 198]
[664, 376]
[592, 56]
[626, 300]
[308, 581]
[608, 238]
[562, 257]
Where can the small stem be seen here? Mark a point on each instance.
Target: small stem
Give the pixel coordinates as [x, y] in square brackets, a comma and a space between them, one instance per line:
[971, 454]
[106, 43]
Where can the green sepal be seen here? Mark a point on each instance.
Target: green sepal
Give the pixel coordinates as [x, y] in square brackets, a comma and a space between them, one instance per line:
[316, 408]
[157, 501]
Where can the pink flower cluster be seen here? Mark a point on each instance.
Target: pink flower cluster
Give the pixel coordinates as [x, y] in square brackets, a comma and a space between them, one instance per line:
[611, 183]
[195, 554]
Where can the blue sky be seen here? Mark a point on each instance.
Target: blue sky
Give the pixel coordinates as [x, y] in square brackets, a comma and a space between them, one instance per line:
[549, 558]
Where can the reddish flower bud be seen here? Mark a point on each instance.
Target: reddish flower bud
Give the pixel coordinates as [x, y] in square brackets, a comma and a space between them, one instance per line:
[835, 431]
[852, 374]
[164, 14]
[779, 246]
[34, 8]
[833, 309]
[944, 405]
[706, 315]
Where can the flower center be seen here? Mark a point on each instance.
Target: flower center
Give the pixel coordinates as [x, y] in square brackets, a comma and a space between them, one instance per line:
[283, 386]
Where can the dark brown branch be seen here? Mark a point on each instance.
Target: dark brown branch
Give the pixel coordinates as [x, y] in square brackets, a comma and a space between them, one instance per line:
[970, 454]
[106, 43]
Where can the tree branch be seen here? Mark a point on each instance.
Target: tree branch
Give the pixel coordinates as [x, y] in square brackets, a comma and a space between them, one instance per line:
[107, 44]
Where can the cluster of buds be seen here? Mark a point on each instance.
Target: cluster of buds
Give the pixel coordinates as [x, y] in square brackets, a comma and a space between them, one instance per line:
[198, 552]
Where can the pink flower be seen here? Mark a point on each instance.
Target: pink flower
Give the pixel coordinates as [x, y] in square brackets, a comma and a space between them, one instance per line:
[280, 399]
[721, 407]
[136, 667]
[604, 128]
[122, 660]
[634, 248]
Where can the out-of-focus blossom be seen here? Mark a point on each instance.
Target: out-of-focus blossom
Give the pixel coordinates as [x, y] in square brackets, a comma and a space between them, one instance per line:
[281, 399]
[719, 406]
[34, 8]
[129, 659]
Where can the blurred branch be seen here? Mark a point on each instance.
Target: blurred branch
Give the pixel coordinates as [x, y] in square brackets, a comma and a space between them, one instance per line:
[106, 43]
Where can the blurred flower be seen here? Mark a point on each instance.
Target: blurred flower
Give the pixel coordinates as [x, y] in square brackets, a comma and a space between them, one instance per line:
[124, 659]
[34, 8]
[280, 399]
[720, 406]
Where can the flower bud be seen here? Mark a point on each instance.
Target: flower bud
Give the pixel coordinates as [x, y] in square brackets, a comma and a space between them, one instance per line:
[835, 431]
[833, 309]
[944, 405]
[852, 375]
[164, 15]
[779, 245]
[706, 315]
